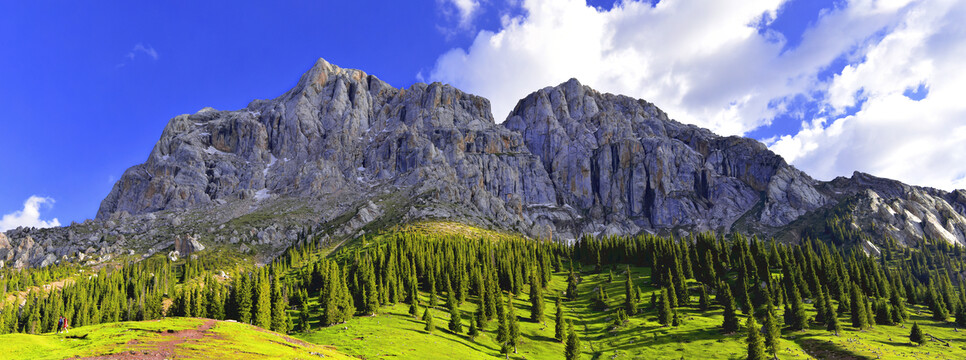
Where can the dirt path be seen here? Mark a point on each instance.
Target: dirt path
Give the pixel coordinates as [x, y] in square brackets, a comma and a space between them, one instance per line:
[165, 349]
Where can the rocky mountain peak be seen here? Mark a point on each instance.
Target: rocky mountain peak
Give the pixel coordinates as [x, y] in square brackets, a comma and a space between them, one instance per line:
[568, 160]
[347, 153]
[626, 160]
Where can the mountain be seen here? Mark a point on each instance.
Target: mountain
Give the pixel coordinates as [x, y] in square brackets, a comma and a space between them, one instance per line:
[346, 153]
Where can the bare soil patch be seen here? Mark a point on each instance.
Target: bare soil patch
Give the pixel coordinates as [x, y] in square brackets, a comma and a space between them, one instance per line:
[166, 349]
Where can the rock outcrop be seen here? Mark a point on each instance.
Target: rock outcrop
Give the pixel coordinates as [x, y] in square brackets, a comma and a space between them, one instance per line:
[884, 208]
[627, 166]
[567, 161]
[340, 133]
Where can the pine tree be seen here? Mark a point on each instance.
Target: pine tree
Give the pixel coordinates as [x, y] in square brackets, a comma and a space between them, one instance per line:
[572, 285]
[831, 317]
[859, 319]
[630, 304]
[899, 308]
[772, 332]
[744, 300]
[832, 320]
[338, 304]
[869, 313]
[414, 294]
[428, 319]
[730, 324]
[33, 320]
[572, 349]
[433, 300]
[474, 331]
[503, 329]
[280, 320]
[455, 317]
[480, 317]
[492, 293]
[600, 298]
[263, 301]
[243, 298]
[664, 310]
[671, 291]
[513, 324]
[756, 347]
[936, 305]
[916, 334]
[216, 308]
[796, 318]
[961, 315]
[620, 317]
[559, 325]
[370, 288]
[198, 307]
[178, 306]
[536, 299]
[703, 302]
[304, 313]
[820, 304]
[883, 313]
[414, 307]
[709, 277]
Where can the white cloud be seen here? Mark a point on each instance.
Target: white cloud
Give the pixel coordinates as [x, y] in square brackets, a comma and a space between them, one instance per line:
[920, 142]
[703, 62]
[709, 63]
[138, 48]
[466, 10]
[141, 48]
[29, 216]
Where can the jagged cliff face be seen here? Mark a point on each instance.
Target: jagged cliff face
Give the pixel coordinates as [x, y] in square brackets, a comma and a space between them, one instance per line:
[345, 152]
[340, 132]
[568, 161]
[627, 166]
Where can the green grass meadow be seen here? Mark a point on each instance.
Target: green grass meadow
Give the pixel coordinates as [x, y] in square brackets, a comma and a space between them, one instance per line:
[394, 334]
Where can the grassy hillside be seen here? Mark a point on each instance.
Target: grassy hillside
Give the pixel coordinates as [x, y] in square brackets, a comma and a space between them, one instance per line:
[394, 334]
[183, 338]
[443, 253]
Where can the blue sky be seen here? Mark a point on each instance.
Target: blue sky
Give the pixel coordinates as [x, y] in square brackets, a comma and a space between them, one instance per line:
[87, 88]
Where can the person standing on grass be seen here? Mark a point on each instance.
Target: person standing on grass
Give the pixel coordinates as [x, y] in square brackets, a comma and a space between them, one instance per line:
[66, 326]
[60, 324]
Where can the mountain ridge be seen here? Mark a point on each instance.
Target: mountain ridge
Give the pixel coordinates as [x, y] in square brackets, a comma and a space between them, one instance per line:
[347, 152]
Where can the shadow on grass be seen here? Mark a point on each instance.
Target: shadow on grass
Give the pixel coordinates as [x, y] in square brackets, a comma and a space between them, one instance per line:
[898, 344]
[827, 350]
[461, 340]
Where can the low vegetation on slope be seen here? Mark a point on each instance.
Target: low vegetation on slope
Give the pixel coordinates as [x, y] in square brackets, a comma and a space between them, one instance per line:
[819, 279]
[188, 338]
[420, 291]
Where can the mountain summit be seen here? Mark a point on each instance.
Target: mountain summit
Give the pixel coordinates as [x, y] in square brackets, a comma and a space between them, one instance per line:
[567, 161]
[345, 153]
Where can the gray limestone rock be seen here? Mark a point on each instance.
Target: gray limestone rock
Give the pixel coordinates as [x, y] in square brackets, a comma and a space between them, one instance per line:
[567, 161]
[342, 150]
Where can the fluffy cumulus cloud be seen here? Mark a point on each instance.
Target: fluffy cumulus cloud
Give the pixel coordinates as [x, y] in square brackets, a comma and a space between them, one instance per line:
[716, 64]
[29, 216]
[911, 117]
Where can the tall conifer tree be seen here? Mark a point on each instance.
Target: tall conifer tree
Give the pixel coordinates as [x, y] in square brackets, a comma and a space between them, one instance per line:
[536, 299]
[756, 347]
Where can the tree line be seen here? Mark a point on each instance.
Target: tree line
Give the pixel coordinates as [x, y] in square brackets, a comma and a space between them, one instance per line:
[766, 282]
